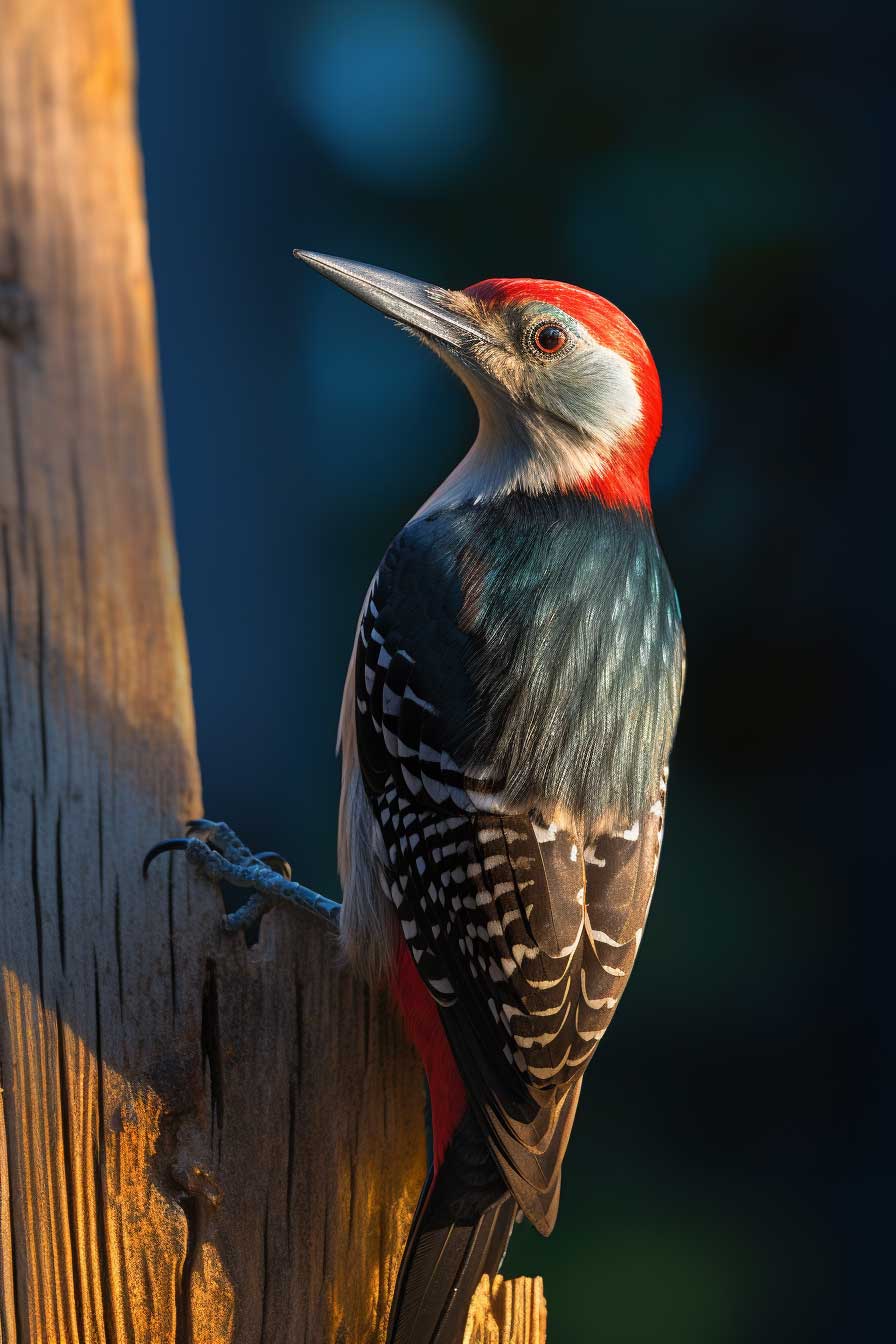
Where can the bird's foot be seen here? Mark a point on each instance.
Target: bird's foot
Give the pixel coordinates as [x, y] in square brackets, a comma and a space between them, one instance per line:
[219, 854]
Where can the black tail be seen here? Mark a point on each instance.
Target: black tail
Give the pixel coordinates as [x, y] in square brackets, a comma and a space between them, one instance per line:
[460, 1232]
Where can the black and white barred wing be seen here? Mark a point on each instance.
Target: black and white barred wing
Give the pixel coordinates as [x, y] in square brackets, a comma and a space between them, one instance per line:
[621, 868]
[524, 933]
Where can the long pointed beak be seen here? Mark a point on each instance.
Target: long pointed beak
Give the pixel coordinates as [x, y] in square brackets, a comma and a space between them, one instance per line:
[410, 302]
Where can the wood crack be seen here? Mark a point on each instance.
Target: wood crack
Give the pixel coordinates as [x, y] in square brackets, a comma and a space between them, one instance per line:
[210, 1036]
[172, 950]
[35, 896]
[18, 312]
[99, 1166]
[183, 1327]
[66, 1128]
[291, 1157]
[41, 663]
[15, 433]
[60, 888]
[265, 1260]
[81, 530]
[119, 951]
[100, 836]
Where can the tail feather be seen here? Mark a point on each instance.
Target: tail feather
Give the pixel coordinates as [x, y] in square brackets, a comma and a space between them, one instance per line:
[460, 1232]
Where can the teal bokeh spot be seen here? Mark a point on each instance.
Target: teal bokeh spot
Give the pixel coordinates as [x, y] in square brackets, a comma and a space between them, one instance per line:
[398, 93]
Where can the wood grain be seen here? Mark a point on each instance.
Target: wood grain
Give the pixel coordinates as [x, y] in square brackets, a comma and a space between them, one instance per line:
[507, 1311]
[199, 1142]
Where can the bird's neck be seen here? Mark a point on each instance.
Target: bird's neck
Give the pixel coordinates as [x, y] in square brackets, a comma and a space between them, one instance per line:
[538, 455]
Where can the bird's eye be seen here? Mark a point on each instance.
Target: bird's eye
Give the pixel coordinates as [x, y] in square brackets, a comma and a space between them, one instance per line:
[548, 338]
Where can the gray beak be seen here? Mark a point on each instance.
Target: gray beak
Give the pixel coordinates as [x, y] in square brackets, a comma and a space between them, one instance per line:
[410, 302]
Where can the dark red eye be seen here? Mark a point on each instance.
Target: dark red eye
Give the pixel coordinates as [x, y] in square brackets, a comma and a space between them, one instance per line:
[549, 338]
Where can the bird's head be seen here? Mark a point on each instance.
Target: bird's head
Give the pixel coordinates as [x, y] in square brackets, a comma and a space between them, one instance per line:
[567, 392]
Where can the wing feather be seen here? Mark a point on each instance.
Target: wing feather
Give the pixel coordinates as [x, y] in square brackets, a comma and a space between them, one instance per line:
[523, 931]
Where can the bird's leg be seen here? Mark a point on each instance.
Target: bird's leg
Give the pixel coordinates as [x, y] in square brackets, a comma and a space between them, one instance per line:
[219, 854]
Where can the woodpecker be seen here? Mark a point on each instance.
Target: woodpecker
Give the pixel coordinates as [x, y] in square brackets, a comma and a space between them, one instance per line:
[506, 725]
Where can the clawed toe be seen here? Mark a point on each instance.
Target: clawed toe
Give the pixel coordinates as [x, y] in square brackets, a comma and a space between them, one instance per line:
[205, 837]
[218, 837]
[201, 855]
[164, 847]
[218, 853]
[222, 838]
[277, 862]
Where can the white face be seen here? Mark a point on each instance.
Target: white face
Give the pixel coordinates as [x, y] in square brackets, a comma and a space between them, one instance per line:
[543, 359]
[554, 404]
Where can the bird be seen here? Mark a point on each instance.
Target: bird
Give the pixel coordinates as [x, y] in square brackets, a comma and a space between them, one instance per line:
[506, 726]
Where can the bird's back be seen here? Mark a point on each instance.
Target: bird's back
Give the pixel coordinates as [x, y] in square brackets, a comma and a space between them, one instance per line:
[516, 684]
[548, 631]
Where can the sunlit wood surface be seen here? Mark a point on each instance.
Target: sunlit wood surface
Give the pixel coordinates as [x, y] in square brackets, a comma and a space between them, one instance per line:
[199, 1142]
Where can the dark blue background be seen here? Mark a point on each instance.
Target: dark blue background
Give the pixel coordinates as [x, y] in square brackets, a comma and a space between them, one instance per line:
[716, 170]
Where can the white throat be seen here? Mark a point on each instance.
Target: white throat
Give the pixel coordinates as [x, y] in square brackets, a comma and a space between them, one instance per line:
[533, 451]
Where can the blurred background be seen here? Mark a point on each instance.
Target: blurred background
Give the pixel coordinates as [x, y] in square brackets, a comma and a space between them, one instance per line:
[715, 170]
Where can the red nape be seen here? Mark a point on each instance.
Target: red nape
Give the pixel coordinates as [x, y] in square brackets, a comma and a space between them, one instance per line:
[626, 486]
[626, 483]
[427, 1035]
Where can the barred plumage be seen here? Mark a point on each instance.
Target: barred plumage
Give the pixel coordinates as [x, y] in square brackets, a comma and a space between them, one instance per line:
[523, 929]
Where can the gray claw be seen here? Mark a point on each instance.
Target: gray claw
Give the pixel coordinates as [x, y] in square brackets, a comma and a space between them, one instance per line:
[276, 861]
[165, 847]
